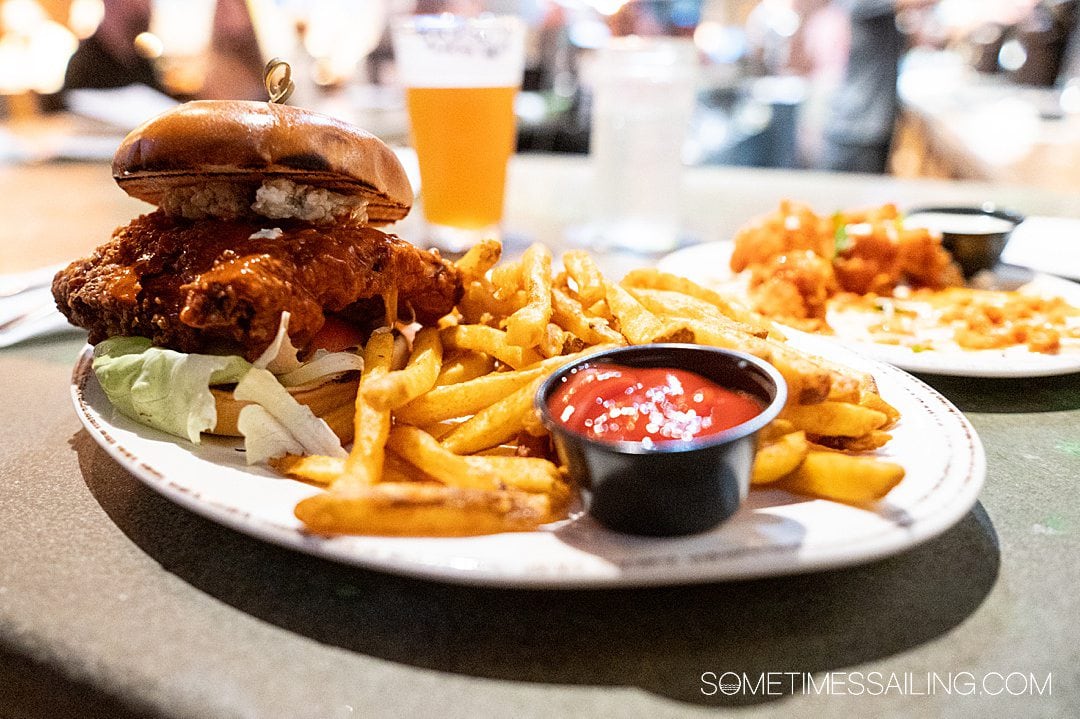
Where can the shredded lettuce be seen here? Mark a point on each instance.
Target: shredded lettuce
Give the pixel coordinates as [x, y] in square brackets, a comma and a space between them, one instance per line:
[323, 366]
[170, 391]
[309, 432]
[264, 436]
[163, 388]
[281, 356]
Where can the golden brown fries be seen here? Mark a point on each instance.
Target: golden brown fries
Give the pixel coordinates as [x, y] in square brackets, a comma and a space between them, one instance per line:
[490, 341]
[494, 424]
[363, 466]
[843, 477]
[525, 328]
[530, 474]
[417, 509]
[647, 278]
[835, 419]
[569, 314]
[450, 444]
[637, 324]
[469, 397]
[419, 375]
[676, 304]
[582, 269]
[779, 458]
[464, 365]
[480, 258]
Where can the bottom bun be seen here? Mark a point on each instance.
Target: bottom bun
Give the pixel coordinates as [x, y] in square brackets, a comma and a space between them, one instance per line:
[332, 401]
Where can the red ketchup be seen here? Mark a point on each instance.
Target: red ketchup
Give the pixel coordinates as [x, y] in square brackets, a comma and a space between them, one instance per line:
[635, 404]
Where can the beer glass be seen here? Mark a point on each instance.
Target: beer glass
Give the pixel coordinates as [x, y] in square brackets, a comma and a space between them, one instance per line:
[461, 76]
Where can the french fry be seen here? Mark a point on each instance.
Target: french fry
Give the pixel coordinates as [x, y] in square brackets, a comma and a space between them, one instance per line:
[495, 424]
[417, 509]
[490, 341]
[874, 401]
[464, 365]
[506, 278]
[639, 325]
[875, 439]
[419, 375]
[807, 382]
[649, 278]
[525, 328]
[481, 304]
[551, 343]
[834, 419]
[570, 315]
[573, 344]
[480, 258]
[779, 458]
[600, 309]
[775, 430]
[676, 304]
[465, 398]
[316, 468]
[530, 474]
[582, 269]
[843, 477]
[323, 470]
[363, 466]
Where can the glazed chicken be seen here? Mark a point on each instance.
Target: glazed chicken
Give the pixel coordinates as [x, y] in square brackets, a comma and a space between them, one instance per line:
[799, 259]
[220, 286]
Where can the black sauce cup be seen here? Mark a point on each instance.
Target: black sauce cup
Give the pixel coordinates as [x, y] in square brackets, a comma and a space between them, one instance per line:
[672, 487]
[973, 249]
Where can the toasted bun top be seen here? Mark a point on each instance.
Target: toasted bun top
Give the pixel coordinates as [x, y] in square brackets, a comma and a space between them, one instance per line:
[247, 142]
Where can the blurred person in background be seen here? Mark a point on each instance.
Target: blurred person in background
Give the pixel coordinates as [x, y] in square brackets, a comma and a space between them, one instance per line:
[858, 132]
[110, 57]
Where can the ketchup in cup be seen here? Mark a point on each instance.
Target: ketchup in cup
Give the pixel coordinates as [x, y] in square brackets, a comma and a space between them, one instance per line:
[660, 437]
[647, 404]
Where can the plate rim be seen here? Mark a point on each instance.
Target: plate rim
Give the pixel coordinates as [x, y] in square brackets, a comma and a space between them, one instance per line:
[775, 560]
[917, 362]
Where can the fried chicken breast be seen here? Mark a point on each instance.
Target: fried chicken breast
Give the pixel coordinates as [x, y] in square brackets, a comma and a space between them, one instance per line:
[219, 287]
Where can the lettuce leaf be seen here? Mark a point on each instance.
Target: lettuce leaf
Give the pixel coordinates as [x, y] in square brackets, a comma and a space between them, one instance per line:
[162, 388]
[281, 355]
[264, 436]
[294, 423]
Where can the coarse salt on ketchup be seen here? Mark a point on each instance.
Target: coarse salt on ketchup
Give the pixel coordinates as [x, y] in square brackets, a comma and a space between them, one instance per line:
[648, 405]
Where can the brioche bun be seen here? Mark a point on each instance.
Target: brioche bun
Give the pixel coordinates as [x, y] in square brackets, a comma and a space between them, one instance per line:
[248, 142]
[333, 401]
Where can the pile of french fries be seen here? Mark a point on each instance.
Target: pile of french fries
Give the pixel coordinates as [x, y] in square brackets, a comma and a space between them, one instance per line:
[449, 443]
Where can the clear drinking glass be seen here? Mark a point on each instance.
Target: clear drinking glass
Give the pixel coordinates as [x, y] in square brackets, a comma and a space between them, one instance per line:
[643, 98]
[461, 76]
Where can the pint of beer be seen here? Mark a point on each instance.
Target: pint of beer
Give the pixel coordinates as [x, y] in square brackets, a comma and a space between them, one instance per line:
[461, 76]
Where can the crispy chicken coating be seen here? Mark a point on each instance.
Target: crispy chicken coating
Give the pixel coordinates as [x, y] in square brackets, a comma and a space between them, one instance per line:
[219, 287]
[799, 259]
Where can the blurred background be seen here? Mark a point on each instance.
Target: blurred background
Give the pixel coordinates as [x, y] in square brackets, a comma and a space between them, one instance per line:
[979, 89]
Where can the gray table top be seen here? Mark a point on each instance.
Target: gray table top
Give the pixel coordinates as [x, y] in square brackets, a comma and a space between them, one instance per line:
[116, 602]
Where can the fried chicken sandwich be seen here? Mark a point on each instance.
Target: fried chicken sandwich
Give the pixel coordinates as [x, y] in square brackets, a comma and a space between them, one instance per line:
[263, 253]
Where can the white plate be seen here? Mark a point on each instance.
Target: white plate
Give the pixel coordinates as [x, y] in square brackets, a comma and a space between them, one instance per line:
[1046, 244]
[774, 533]
[708, 264]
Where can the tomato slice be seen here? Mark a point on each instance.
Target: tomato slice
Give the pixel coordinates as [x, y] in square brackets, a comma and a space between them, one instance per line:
[337, 335]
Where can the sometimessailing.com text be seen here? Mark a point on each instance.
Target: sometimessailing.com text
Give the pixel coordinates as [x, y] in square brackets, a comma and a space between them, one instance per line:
[877, 684]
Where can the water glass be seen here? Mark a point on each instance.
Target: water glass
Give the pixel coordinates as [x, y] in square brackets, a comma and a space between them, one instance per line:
[643, 98]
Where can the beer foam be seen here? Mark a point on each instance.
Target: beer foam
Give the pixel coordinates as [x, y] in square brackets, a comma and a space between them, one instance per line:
[447, 51]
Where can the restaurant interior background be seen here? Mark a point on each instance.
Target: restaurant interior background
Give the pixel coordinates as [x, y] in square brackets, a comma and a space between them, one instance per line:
[989, 89]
